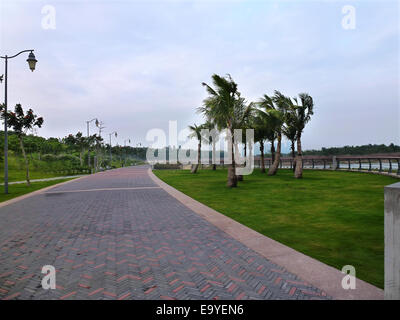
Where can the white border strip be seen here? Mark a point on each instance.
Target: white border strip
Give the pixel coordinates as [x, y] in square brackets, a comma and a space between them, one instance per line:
[102, 189]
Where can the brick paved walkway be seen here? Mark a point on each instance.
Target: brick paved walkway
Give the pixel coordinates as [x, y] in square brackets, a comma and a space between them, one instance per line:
[117, 235]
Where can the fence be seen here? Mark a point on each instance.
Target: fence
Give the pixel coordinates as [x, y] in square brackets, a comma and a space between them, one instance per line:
[385, 164]
[380, 164]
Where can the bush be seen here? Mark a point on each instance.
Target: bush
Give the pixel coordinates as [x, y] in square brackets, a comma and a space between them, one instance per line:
[48, 157]
[60, 157]
[161, 166]
[67, 157]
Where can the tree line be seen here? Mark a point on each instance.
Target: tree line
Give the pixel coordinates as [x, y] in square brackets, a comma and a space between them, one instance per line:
[73, 146]
[355, 150]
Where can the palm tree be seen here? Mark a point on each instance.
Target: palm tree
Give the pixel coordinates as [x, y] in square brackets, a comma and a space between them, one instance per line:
[196, 133]
[271, 137]
[290, 132]
[245, 114]
[212, 139]
[275, 108]
[261, 132]
[225, 108]
[301, 115]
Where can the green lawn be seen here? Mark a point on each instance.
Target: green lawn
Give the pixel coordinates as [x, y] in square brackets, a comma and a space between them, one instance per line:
[42, 169]
[335, 217]
[37, 169]
[19, 175]
[16, 190]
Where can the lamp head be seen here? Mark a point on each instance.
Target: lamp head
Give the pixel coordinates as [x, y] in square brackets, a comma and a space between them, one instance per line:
[31, 61]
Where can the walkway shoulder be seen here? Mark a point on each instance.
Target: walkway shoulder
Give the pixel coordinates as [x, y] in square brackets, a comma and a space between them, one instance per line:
[33, 193]
[311, 270]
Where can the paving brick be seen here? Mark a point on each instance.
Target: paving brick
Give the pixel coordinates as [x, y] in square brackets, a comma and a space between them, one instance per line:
[129, 244]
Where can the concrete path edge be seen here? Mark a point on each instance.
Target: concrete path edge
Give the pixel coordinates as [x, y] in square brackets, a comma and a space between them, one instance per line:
[33, 193]
[309, 269]
[46, 179]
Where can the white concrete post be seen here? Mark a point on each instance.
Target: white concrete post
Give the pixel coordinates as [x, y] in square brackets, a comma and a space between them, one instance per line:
[392, 242]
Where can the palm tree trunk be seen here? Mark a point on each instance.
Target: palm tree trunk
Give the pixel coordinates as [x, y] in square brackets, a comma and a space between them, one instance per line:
[262, 165]
[245, 155]
[274, 168]
[293, 154]
[273, 150]
[238, 177]
[196, 166]
[21, 143]
[214, 167]
[298, 173]
[232, 181]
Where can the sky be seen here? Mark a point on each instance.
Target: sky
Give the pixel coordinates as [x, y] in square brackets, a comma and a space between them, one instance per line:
[135, 65]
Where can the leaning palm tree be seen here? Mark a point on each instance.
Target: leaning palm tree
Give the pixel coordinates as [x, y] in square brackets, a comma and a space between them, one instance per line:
[225, 108]
[271, 137]
[290, 132]
[276, 118]
[196, 133]
[243, 113]
[261, 132]
[275, 108]
[301, 113]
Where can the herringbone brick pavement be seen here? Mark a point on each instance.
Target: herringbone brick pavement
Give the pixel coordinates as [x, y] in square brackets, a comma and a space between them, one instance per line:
[116, 235]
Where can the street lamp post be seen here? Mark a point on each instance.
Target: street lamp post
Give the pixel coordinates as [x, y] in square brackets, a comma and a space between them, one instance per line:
[129, 141]
[32, 64]
[88, 135]
[110, 134]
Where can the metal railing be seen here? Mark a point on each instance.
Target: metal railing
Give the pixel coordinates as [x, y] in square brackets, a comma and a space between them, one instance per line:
[385, 164]
[380, 164]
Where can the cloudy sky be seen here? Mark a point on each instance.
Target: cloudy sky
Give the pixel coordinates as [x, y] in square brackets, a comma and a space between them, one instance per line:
[136, 65]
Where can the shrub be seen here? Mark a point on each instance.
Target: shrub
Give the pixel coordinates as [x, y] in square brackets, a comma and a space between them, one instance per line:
[161, 166]
[60, 157]
[67, 157]
[49, 157]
